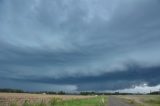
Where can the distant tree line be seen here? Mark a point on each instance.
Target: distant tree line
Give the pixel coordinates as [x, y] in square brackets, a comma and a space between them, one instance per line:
[103, 93]
[155, 93]
[72, 93]
[8, 90]
[51, 92]
[11, 90]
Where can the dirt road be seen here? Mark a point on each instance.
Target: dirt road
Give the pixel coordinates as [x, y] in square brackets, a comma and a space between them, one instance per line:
[115, 101]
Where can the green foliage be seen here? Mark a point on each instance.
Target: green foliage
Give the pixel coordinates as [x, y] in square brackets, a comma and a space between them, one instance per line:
[131, 101]
[96, 101]
[153, 101]
[87, 93]
[42, 103]
[61, 93]
[13, 104]
[26, 103]
[11, 90]
[55, 101]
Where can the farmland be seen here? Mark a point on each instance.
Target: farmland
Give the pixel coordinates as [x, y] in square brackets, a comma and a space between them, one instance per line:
[24, 99]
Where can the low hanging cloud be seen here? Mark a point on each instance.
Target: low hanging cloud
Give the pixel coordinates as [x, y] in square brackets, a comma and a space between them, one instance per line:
[114, 44]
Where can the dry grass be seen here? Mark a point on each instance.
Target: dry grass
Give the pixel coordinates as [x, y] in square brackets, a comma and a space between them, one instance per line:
[19, 98]
[143, 100]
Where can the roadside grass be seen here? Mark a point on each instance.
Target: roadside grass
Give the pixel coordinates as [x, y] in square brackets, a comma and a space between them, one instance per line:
[143, 100]
[154, 101]
[94, 101]
[132, 101]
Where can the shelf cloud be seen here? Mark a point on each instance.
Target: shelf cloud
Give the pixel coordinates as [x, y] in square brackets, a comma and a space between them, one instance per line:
[79, 45]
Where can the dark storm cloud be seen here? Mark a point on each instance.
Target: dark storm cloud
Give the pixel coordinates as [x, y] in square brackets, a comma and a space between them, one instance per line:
[51, 42]
[133, 76]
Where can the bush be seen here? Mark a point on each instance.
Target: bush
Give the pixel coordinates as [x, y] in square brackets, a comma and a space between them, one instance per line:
[27, 103]
[55, 101]
[13, 104]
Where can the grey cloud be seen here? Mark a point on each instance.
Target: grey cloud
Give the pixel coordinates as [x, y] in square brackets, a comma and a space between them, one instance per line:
[62, 39]
[135, 75]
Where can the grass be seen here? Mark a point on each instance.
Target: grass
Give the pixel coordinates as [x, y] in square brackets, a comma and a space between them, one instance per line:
[27, 103]
[97, 101]
[130, 101]
[143, 100]
[154, 101]
[94, 101]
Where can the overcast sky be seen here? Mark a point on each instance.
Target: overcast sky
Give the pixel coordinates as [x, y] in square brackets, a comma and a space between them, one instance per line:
[75, 45]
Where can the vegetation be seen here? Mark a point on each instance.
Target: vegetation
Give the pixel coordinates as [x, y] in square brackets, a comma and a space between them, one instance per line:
[153, 101]
[71, 93]
[143, 100]
[155, 93]
[11, 90]
[94, 101]
[104, 93]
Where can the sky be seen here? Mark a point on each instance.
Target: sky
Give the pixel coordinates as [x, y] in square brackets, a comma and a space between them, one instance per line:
[80, 45]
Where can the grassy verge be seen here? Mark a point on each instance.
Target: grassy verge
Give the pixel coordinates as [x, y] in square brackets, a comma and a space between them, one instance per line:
[95, 101]
[154, 101]
[145, 100]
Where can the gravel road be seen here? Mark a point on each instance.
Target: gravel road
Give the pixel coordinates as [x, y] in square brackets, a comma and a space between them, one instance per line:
[115, 101]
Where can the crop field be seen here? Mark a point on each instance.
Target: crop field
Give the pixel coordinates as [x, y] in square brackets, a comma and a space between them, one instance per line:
[142, 100]
[24, 99]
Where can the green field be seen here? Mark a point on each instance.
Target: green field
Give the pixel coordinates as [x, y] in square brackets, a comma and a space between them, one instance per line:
[94, 101]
